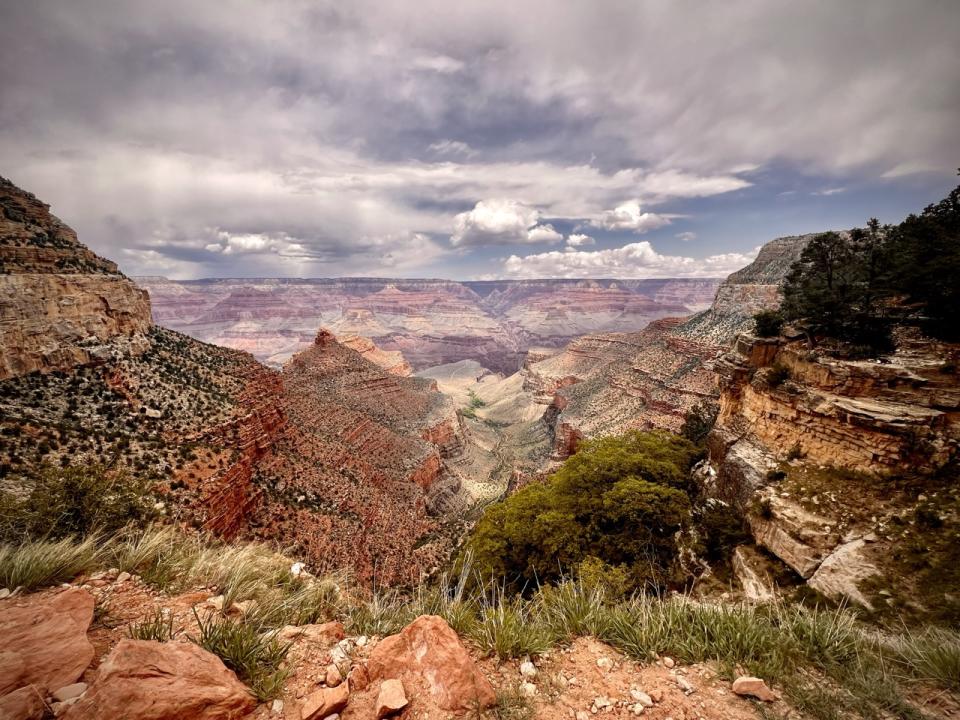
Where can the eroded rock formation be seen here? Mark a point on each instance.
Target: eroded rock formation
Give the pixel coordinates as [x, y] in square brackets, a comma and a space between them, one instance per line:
[60, 304]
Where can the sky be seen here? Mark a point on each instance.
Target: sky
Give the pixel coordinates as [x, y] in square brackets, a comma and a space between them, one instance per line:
[474, 139]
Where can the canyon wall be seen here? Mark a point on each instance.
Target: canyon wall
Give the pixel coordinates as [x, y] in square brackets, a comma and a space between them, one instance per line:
[432, 322]
[342, 455]
[358, 478]
[60, 304]
[607, 383]
[782, 400]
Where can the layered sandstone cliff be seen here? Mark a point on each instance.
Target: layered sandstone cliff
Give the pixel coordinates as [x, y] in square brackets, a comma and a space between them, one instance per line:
[60, 304]
[845, 469]
[781, 398]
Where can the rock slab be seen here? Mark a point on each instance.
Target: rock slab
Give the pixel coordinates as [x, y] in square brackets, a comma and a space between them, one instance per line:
[45, 641]
[149, 680]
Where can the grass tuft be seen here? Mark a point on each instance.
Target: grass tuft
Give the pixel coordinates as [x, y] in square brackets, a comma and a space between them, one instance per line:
[38, 563]
[257, 658]
[157, 627]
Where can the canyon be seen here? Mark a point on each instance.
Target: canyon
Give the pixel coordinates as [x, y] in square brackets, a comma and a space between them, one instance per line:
[432, 322]
[324, 456]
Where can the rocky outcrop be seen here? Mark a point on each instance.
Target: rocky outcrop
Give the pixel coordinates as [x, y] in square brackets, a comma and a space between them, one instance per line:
[60, 304]
[860, 415]
[162, 681]
[361, 446]
[432, 322]
[393, 361]
[428, 655]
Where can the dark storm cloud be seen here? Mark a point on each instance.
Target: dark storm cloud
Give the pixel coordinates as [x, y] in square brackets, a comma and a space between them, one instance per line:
[300, 137]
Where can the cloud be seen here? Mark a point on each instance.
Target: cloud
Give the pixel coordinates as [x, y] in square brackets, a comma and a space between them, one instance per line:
[355, 128]
[438, 63]
[452, 148]
[628, 216]
[634, 260]
[501, 222]
[829, 191]
[686, 236]
[579, 240]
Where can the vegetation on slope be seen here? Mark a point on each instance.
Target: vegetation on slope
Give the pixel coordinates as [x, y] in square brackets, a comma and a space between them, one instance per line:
[855, 286]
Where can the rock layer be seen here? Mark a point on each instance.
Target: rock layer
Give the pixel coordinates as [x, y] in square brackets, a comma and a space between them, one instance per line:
[432, 322]
[60, 304]
[609, 383]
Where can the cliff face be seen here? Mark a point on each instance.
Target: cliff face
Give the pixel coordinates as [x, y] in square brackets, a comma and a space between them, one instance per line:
[432, 322]
[611, 382]
[779, 398]
[341, 455]
[843, 468]
[60, 304]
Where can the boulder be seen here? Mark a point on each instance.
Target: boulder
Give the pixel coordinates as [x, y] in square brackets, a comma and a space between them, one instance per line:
[358, 678]
[325, 702]
[391, 699]
[840, 575]
[23, 704]
[147, 680]
[45, 640]
[753, 687]
[796, 536]
[428, 654]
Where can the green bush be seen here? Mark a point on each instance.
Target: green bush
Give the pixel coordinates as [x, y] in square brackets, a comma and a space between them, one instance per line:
[699, 421]
[768, 323]
[621, 500]
[58, 502]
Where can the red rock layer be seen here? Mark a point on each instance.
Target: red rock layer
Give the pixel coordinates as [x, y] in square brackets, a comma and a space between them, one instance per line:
[351, 480]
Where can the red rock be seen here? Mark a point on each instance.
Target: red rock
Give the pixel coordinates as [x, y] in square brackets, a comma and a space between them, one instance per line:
[23, 704]
[146, 680]
[334, 677]
[391, 699]
[324, 702]
[428, 653]
[358, 678]
[753, 687]
[46, 640]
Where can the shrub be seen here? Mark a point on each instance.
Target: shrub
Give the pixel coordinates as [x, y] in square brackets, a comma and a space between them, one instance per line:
[768, 323]
[699, 421]
[722, 528]
[619, 499]
[78, 500]
[777, 375]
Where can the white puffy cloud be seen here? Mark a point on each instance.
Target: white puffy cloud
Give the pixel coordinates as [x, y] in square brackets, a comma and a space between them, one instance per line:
[579, 240]
[629, 216]
[634, 260]
[501, 222]
[686, 236]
